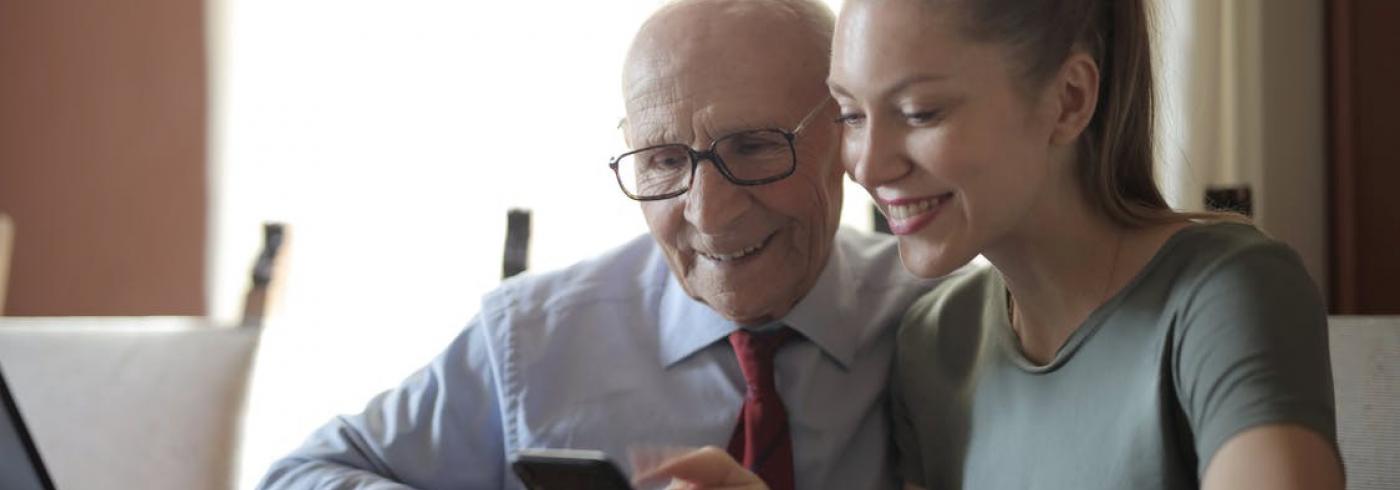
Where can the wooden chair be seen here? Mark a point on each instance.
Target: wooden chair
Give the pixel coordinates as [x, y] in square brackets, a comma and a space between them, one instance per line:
[264, 276]
[7, 240]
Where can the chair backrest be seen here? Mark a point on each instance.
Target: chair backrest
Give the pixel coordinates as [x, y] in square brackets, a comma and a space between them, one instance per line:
[1366, 373]
[150, 403]
[7, 239]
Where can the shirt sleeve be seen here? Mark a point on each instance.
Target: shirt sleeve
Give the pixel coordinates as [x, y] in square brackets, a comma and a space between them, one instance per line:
[1251, 350]
[440, 429]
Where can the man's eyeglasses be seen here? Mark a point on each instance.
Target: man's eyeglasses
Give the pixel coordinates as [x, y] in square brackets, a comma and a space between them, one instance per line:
[753, 157]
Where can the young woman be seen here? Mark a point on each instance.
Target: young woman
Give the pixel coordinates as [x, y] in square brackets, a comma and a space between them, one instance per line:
[1114, 343]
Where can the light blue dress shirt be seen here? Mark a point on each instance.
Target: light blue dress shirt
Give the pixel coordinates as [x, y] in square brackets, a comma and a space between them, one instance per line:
[611, 354]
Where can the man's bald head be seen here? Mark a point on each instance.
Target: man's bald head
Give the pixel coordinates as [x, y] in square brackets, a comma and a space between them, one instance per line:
[806, 18]
[756, 38]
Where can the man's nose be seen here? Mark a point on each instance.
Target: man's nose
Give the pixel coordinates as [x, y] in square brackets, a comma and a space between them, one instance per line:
[874, 157]
[713, 203]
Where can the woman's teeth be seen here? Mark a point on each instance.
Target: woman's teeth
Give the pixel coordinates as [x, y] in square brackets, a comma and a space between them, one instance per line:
[912, 209]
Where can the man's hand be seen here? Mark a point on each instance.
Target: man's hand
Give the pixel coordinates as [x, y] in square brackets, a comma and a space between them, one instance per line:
[708, 468]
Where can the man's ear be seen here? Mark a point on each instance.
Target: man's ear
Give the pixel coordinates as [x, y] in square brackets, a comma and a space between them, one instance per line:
[626, 131]
[1076, 90]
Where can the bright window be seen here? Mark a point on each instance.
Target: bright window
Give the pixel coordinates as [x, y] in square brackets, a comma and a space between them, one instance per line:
[393, 137]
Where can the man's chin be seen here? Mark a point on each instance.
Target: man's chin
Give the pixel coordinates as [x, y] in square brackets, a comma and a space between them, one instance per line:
[748, 318]
[731, 305]
[746, 293]
[748, 312]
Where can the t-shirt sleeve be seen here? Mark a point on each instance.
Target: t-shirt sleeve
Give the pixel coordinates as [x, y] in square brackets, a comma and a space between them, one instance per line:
[906, 441]
[1251, 349]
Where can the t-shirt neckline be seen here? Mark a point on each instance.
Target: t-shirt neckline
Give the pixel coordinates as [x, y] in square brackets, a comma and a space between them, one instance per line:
[1010, 341]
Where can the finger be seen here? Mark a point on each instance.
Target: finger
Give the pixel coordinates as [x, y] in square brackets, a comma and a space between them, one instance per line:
[705, 467]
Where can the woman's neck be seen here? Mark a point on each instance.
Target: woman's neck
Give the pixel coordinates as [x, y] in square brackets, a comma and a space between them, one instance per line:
[1063, 262]
[1059, 266]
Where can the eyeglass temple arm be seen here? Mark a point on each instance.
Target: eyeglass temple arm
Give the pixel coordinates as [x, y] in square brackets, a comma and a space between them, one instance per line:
[810, 115]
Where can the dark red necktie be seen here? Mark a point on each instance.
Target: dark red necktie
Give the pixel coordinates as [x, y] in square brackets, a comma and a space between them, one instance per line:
[761, 440]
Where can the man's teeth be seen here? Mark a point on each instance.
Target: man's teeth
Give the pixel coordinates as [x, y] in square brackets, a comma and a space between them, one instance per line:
[909, 210]
[737, 255]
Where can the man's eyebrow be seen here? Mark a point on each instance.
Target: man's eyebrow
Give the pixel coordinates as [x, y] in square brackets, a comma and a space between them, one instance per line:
[652, 135]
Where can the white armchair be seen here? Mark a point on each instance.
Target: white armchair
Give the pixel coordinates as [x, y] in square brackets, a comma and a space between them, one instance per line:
[1366, 372]
[141, 403]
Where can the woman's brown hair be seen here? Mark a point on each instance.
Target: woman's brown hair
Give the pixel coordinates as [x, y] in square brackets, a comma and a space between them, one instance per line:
[1116, 163]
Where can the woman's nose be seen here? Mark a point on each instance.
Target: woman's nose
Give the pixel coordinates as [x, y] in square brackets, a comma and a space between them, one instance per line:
[873, 156]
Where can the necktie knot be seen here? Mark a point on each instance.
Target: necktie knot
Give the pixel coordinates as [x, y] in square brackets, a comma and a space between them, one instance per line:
[756, 351]
[761, 439]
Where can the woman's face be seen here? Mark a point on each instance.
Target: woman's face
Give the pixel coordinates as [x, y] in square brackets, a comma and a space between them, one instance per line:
[938, 129]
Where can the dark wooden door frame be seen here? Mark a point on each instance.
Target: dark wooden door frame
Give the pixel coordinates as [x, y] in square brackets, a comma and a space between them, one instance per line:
[1341, 168]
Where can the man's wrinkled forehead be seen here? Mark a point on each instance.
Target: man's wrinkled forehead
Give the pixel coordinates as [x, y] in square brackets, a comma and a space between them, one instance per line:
[692, 50]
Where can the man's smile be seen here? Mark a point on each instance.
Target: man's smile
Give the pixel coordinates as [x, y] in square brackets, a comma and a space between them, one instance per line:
[740, 253]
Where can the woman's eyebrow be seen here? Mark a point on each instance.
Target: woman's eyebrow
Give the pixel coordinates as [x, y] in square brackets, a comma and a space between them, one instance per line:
[901, 85]
[916, 79]
[836, 88]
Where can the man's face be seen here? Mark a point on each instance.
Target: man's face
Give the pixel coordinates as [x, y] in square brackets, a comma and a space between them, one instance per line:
[749, 252]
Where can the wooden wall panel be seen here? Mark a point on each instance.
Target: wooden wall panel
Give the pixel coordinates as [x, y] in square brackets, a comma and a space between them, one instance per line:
[1365, 166]
[102, 155]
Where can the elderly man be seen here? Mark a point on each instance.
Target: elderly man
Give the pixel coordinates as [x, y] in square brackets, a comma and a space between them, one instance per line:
[745, 286]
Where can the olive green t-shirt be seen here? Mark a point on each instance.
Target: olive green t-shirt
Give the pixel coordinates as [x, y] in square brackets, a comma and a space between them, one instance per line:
[1221, 331]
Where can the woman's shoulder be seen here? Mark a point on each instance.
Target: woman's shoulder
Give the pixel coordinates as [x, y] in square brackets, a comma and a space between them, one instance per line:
[1229, 284]
[1201, 255]
[1224, 238]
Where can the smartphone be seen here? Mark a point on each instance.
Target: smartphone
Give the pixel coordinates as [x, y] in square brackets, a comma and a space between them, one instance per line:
[568, 469]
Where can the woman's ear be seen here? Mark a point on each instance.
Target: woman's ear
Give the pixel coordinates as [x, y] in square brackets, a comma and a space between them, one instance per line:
[1076, 92]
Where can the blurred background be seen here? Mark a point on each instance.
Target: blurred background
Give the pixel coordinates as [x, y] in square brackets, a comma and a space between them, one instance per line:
[144, 142]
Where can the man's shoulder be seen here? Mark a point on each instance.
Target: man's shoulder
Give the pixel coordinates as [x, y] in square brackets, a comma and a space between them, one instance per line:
[874, 261]
[550, 324]
[627, 273]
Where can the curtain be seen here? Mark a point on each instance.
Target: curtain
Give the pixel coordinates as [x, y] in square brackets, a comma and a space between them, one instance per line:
[1241, 101]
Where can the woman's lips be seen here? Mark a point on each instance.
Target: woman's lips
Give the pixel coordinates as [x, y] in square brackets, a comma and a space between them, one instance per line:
[909, 215]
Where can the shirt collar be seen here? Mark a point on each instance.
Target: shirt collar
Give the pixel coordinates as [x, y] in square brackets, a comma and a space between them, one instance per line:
[687, 325]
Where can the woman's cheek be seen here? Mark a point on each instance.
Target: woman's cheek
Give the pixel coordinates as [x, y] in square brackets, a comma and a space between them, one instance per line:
[852, 150]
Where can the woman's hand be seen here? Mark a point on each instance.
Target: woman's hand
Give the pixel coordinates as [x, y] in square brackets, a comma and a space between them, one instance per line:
[708, 468]
[1275, 457]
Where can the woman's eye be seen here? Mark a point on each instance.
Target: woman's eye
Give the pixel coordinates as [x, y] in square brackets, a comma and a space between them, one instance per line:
[922, 117]
[848, 119]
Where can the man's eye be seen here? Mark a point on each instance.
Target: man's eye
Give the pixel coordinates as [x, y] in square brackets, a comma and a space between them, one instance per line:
[750, 147]
[663, 159]
[668, 161]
